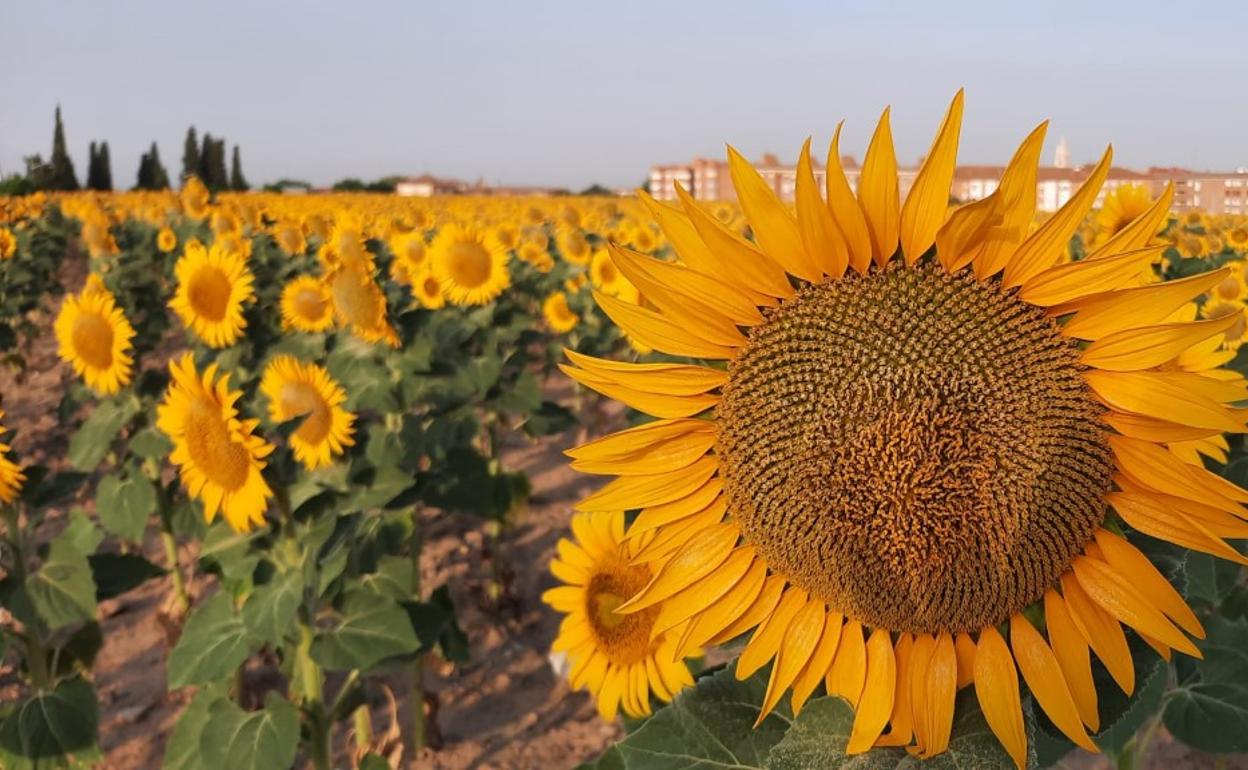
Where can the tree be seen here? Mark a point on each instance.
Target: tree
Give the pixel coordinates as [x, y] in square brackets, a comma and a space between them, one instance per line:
[212, 164]
[152, 174]
[190, 154]
[237, 180]
[99, 173]
[62, 175]
[596, 189]
[93, 168]
[106, 167]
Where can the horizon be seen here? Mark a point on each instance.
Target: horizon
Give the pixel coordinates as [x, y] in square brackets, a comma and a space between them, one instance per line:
[519, 106]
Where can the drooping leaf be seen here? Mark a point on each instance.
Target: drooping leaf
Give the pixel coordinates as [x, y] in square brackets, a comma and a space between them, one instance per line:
[62, 590]
[213, 644]
[372, 628]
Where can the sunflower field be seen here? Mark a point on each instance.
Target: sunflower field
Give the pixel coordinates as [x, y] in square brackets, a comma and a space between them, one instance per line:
[892, 480]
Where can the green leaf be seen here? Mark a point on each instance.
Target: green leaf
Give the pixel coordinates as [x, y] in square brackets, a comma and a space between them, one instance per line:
[251, 740]
[93, 440]
[819, 735]
[1209, 708]
[151, 443]
[523, 397]
[709, 727]
[213, 644]
[393, 578]
[117, 573]
[380, 487]
[435, 625]
[50, 491]
[62, 589]
[372, 628]
[182, 749]
[82, 532]
[1123, 716]
[611, 759]
[124, 505]
[52, 724]
[1210, 579]
[269, 613]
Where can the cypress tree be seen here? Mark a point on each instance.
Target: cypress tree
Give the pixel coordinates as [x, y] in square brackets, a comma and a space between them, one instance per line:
[190, 154]
[205, 161]
[237, 180]
[144, 180]
[159, 177]
[93, 168]
[106, 167]
[63, 176]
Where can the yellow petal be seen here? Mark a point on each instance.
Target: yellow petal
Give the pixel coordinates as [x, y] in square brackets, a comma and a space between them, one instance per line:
[731, 607]
[1071, 651]
[1155, 468]
[1128, 562]
[674, 379]
[965, 232]
[877, 697]
[820, 661]
[1113, 311]
[1044, 678]
[928, 200]
[675, 301]
[800, 640]
[655, 404]
[765, 642]
[1154, 429]
[878, 192]
[935, 688]
[774, 228]
[1146, 514]
[849, 667]
[1015, 200]
[653, 447]
[701, 499]
[901, 726]
[669, 539]
[1121, 600]
[692, 562]
[850, 220]
[657, 331]
[734, 255]
[996, 688]
[1077, 280]
[1216, 520]
[699, 288]
[964, 646]
[1161, 395]
[1048, 244]
[697, 596]
[1101, 632]
[1148, 346]
[629, 492]
[695, 253]
[1142, 230]
[820, 237]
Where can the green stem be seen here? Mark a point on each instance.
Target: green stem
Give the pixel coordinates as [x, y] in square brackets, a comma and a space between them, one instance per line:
[313, 699]
[36, 652]
[363, 728]
[1133, 754]
[416, 697]
[182, 600]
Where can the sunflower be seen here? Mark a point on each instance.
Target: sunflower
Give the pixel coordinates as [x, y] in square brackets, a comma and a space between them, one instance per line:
[428, 290]
[574, 246]
[470, 265]
[8, 243]
[359, 302]
[166, 240]
[306, 305]
[1237, 238]
[409, 256]
[920, 435]
[11, 476]
[620, 659]
[1232, 288]
[1122, 206]
[213, 284]
[290, 239]
[194, 198]
[296, 389]
[218, 456]
[1233, 311]
[93, 336]
[604, 275]
[558, 315]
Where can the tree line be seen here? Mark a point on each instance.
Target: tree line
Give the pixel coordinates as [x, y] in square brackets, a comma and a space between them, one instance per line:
[204, 159]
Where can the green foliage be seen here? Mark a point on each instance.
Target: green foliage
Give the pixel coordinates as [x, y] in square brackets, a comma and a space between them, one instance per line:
[213, 643]
[1209, 708]
[50, 725]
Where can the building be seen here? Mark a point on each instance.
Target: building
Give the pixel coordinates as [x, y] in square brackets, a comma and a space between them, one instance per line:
[1212, 191]
[427, 186]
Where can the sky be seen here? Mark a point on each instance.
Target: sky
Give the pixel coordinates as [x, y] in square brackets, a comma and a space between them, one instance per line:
[572, 93]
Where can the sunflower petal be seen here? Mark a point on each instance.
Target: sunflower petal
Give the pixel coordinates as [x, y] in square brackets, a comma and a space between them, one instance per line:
[996, 688]
[657, 331]
[965, 233]
[1155, 468]
[773, 226]
[800, 640]
[694, 598]
[1015, 204]
[692, 562]
[1101, 632]
[818, 229]
[848, 673]
[1162, 395]
[735, 256]
[845, 209]
[629, 492]
[1154, 429]
[1135, 567]
[879, 191]
[876, 705]
[697, 287]
[1071, 651]
[901, 721]
[765, 642]
[704, 498]
[926, 204]
[1076, 280]
[1148, 346]
[935, 688]
[820, 661]
[735, 605]
[1141, 231]
[1100, 315]
[1121, 600]
[1147, 515]
[1045, 679]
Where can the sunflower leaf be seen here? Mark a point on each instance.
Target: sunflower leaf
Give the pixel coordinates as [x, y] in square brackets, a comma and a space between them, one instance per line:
[62, 589]
[251, 740]
[51, 724]
[1209, 708]
[213, 644]
[372, 628]
[93, 440]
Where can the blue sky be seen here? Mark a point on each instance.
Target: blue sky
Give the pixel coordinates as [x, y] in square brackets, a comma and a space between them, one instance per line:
[569, 93]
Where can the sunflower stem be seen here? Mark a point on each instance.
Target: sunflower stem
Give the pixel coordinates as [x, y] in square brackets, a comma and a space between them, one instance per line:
[312, 695]
[181, 599]
[416, 743]
[363, 721]
[36, 653]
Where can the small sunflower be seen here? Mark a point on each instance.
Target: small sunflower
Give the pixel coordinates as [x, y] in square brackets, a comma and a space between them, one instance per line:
[194, 198]
[409, 256]
[11, 476]
[1237, 237]
[1122, 206]
[620, 659]
[919, 488]
[290, 239]
[359, 302]
[1233, 287]
[604, 275]
[428, 290]
[471, 266]
[297, 389]
[574, 247]
[213, 284]
[166, 240]
[306, 305]
[558, 315]
[93, 336]
[8, 243]
[218, 456]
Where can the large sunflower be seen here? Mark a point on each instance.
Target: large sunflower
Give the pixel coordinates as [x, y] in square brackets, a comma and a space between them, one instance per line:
[470, 265]
[11, 476]
[93, 336]
[296, 389]
[620, 659]
[307, 305]
[218, 456]
[213, 285]
[921, 434]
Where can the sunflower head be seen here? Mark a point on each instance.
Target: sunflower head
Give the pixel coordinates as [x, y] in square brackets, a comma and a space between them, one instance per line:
[923, 421]
[604, 275]
[194, 198]
[213, 285]
[621, 659]
[359, 303]
[11, 476]
[428, 290]
[166, 240]
[558, 315]
[93, 336]
[470, 265]
[290, 239]
[1122, 206]
[307, 305]
[297, 389]
[8, 243]
[219, 458]
[574, 247]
